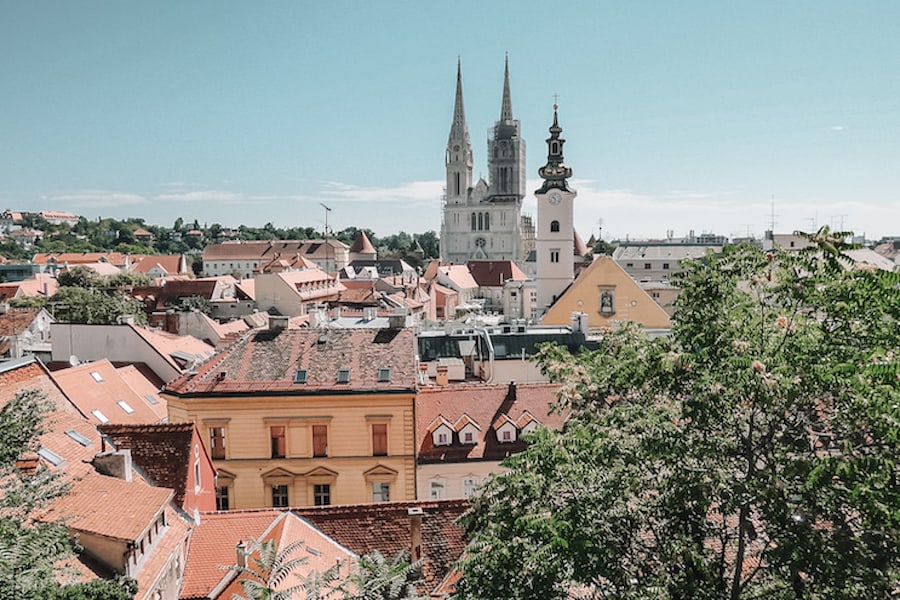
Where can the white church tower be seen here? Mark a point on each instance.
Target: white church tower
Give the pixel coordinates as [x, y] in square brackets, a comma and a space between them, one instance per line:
[554, 237]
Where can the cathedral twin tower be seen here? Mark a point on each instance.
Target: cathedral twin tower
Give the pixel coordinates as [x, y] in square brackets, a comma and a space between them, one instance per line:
[484, 220]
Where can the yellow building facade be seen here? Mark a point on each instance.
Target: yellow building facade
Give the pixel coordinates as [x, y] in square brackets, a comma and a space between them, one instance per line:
[607, 295]
[306, 417]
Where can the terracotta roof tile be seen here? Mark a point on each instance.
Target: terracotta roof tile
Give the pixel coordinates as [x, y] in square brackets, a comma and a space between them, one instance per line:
[16, 320]
[98, 386]
[486, 406]
[267, 361]
[109, 506]
[386, 527]
[492, 273]
[362, 245]
[215, 540]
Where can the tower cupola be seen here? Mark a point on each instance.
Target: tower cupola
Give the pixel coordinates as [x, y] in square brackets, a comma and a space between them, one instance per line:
[555, 172]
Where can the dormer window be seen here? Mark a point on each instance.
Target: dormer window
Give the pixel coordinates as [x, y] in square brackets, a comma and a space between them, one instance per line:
[384, 375]
[442, 439]
[301, 376]
[468, 437]
[506, 436]
[343, 376]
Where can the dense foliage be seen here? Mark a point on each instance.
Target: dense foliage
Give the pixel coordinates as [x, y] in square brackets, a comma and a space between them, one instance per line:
[752, 454]
[28, 549]
[112, 235]
[85, 297]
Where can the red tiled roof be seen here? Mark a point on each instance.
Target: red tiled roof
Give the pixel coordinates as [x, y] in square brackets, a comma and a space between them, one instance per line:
[77, 258]
[492, 273]
[16, 320]
[214, 543]
[386, 527]
[63, 417]
[263, 249]
[168, 263]
[105, 395]
[267, 361]
[162, 451]
[109, 506]
[485, 406]
[362, 245]
[145, 384]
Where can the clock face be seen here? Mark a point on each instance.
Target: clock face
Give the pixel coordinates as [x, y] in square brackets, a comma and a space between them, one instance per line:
[554, 198]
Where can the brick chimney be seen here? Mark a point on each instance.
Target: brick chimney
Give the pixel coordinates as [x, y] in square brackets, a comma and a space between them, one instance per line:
[415, 533]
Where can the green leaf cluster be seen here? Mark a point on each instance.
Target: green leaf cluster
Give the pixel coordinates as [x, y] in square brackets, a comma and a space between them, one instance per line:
[751, 454]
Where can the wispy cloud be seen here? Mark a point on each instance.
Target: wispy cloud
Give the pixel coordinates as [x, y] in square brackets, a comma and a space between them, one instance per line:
[415, 193]
[837, 127]
[203, 196]
[96, 198]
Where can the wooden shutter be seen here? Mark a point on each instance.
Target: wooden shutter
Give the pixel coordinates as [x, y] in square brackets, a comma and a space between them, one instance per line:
[379, 439]
[320, 440]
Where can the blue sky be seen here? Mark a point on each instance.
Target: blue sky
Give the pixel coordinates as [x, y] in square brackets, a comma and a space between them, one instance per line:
[677, 115]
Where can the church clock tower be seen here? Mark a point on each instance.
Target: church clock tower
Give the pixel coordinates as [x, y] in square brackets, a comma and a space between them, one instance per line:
[555, 235]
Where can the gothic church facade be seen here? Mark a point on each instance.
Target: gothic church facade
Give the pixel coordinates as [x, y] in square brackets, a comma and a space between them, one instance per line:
[483, 220]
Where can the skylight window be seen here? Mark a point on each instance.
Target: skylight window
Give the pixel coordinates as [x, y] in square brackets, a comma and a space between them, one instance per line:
[343, 376]
[384, 375]
[126, 407]
[151, 399]
[300, 376]
[96, 376]
[78, 438]
[98, 414]
[50, 456]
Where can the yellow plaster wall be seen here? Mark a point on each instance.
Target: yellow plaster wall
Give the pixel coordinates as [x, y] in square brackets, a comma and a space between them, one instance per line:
[631, 302]
[348, 418]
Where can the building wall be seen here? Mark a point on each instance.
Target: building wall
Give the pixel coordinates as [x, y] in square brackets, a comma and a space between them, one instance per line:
[118, 343]
[452, 476]
[349, 418]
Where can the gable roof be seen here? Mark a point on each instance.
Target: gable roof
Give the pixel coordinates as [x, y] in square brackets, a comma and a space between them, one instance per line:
[484, 405]
[493, 273]
[267, 361]
[180, 351]
[40, 285]
[16, 320]
[169, 264]
[630, 302]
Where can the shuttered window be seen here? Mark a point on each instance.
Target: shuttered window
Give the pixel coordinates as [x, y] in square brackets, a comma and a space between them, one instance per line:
[320, 440]
[278, 441]
[379, 439]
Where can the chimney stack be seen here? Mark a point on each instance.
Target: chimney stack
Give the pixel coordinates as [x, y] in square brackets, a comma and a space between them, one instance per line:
[114, 464]
[241, 551]
[443, 377]
[415, 533]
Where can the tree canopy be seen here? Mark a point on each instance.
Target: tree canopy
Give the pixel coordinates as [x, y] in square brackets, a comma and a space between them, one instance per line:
[751, 454]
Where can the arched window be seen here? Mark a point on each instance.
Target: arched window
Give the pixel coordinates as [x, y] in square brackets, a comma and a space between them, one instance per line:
[487, 221]
[554, 226]
[480, 221]
[474, 221]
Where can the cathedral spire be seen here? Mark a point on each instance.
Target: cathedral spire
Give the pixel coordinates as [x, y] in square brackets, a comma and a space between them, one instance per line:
[506, 105]
[459, 130]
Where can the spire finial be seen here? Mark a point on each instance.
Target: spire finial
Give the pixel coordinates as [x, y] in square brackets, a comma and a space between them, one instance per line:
[506, 105]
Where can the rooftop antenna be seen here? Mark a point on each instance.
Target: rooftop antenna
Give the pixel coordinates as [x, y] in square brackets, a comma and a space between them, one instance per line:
[772, 217]
[835, 218]
[327, 210]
